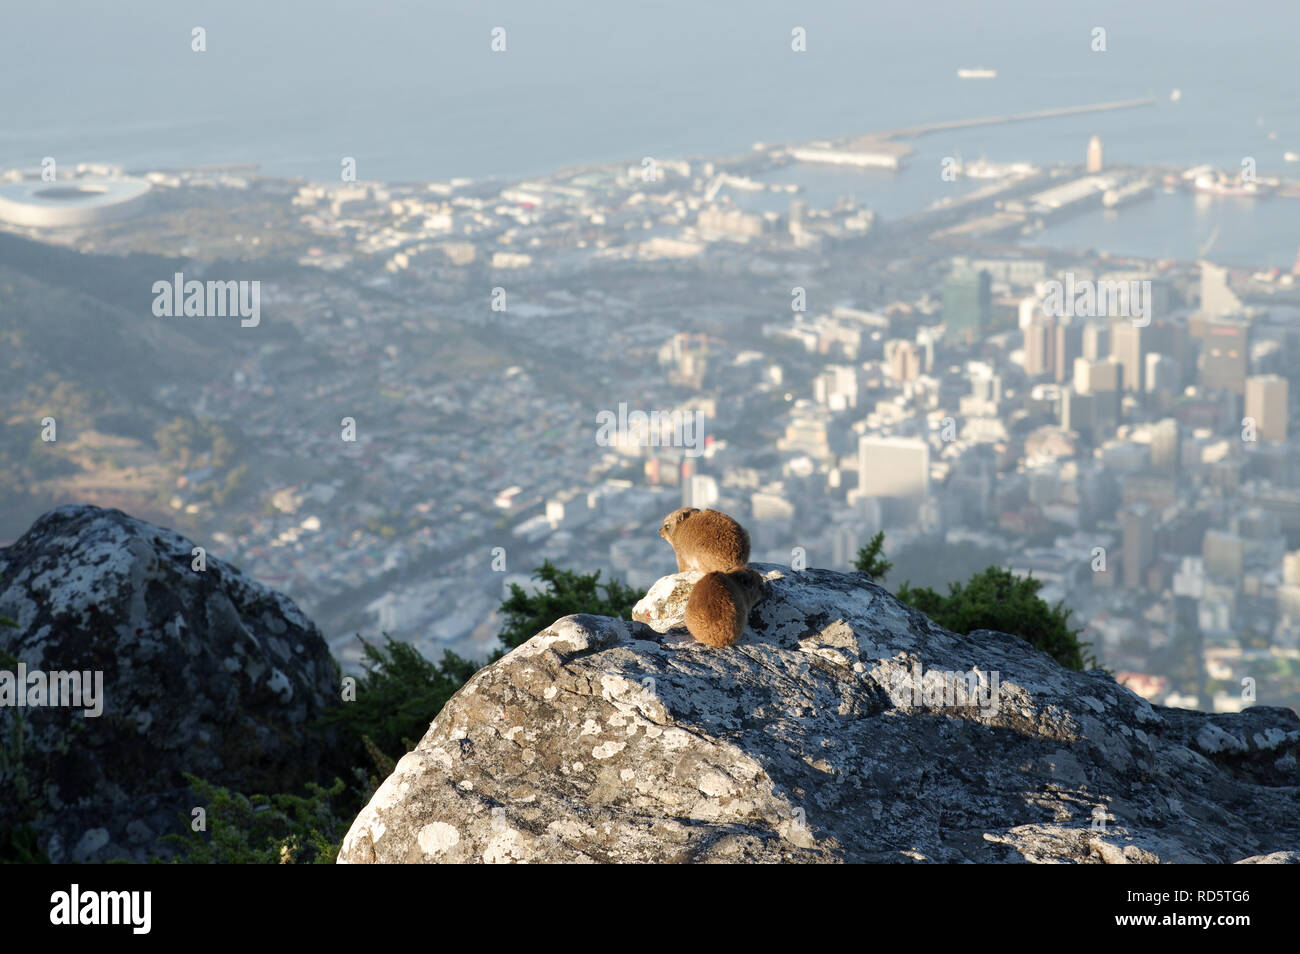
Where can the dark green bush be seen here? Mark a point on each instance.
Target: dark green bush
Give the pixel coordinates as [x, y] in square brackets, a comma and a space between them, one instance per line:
[997, 599]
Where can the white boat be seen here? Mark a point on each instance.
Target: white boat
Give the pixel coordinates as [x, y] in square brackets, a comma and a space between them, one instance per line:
[1175, 96]
[1291, 156]
[978, 72]
[1216, 183]
[983, 169]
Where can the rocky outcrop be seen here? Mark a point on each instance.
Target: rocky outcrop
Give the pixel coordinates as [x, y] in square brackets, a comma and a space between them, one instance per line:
[203, 671]
[844, 726]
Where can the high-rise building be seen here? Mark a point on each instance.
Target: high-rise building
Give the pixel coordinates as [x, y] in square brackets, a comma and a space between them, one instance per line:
[1126, 346]
[1094, 154]
[837, 387]
[1096, 341]
[985, 383]
[1225, 354]
[1100, 379]
[845, 543]
[1216, 297]
[1069, 345]
[1224, 555]
[1165, 445]
[1029, 306]
[1138, 522]
[686, 356]
[1266, 404]
[1161, 373]
[893, 466]
[925, 338]
[700, 490]
[1170, 338]
[1040, 345]
[967, 305]
[798, 212]
[902, 359]
[1076, 412]
[1291, 567]
[1092, 376]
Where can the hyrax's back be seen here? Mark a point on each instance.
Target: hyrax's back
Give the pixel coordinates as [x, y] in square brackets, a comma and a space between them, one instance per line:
[710, 541]
[712, 615]
[719, 605]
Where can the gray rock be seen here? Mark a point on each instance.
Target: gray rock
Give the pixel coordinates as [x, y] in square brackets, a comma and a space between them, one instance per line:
[207, 672]
[813, 739]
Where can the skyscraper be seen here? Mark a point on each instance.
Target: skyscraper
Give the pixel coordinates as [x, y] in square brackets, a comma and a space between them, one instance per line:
[1127, 342]
[1096, 341]
[893, 466]
[1076, 412]
[903, 359]
[1266, 404]
[1224, 356]
[1224, 555]
[845, 543]
[1162, 373]
[798, 212]
[1100, 379]
[1040, 345]
[1165, 445]
[1094, 154]
[1093, 376]
[1069, 345]
[1138, 522]
[968, 304]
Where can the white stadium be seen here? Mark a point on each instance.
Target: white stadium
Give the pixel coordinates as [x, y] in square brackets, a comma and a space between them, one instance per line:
[75, 202]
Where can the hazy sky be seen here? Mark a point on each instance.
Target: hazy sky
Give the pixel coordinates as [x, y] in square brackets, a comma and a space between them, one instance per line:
[412, 89]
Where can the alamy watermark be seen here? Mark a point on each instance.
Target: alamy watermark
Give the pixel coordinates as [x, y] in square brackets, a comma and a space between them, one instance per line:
[32, 688]
[1098, 299]
[937, 688]
[212, 299]
[674, 428]
[128, 908]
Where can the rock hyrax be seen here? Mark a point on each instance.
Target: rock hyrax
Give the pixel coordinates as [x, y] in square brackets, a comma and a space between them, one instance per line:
[720, 603]
[706, 540]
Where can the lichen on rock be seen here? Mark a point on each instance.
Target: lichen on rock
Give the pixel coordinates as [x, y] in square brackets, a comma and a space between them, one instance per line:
[206, 672]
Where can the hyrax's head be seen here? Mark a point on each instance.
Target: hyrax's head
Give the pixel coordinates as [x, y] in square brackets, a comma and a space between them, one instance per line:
[673, 520]
[750, 581]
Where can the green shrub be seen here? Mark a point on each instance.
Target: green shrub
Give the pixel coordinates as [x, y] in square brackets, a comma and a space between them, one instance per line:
[19, 846]
[266, 829]
[567, 592]
[397, 697]
[997, 599]
[870, 561]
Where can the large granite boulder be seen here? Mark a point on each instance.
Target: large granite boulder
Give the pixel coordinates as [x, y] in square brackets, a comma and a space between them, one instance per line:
[206, 672]
[845, 726]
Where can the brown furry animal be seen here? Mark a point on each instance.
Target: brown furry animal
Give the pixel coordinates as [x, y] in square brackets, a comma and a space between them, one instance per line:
[706, 540]
[719, 605]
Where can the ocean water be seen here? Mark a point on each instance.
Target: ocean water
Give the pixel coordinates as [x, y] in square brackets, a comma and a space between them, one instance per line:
[413, 91]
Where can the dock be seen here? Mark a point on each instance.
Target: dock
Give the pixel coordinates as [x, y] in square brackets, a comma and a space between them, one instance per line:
[924, 129]
[877, 142]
